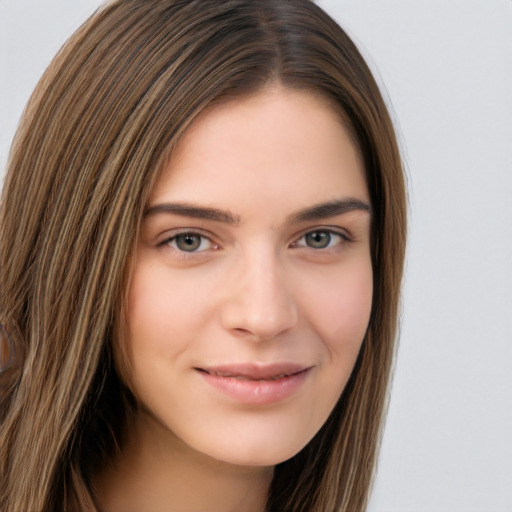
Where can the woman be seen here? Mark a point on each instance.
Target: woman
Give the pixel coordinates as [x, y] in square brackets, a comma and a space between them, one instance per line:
[202, 296]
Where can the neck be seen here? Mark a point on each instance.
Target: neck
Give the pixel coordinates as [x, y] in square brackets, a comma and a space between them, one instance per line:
[157, 472]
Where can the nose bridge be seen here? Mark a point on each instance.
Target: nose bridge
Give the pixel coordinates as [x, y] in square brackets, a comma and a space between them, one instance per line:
[260, 302]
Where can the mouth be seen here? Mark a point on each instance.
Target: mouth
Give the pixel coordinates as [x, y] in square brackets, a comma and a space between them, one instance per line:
[255, 372]
[254, 384]
[248, 377]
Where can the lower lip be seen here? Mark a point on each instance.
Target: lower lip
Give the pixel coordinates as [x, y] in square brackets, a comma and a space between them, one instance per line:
[257, 392]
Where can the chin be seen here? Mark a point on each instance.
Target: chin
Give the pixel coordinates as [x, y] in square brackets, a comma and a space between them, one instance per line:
[256, 459]
[265, 450]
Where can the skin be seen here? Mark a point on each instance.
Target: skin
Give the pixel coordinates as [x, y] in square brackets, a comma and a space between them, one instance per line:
[250, 283]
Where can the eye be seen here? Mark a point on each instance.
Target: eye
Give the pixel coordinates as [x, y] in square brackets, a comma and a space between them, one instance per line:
[188, 242]
[320, 239]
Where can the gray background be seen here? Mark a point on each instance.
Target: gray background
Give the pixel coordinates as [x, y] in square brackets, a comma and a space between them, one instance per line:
[445, 67]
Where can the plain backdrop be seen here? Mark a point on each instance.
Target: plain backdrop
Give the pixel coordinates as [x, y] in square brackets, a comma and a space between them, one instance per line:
[445, 67]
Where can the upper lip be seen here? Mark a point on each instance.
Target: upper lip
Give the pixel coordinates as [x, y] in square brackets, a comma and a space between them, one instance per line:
[255, 371]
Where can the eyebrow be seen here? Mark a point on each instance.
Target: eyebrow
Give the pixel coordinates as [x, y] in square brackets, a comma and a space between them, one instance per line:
[330, 209]
[316, 212]
[196, 212]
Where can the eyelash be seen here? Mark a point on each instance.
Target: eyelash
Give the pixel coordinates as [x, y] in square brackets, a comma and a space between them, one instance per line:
[299, 243]
[173, 240]
[343, 238]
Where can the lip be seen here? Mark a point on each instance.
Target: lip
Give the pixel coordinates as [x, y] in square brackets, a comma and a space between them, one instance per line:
[256, 384]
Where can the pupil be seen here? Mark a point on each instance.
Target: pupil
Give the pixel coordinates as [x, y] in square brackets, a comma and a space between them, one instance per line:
[188, 242]
[318, 239]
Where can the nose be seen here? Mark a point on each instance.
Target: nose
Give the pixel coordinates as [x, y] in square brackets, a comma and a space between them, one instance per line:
[259, 302]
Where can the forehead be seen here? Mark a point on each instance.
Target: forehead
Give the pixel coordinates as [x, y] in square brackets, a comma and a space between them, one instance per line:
[278, 145]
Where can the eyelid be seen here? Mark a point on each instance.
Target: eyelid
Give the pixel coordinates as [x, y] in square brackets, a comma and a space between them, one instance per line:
[342, 233]
[168, 236]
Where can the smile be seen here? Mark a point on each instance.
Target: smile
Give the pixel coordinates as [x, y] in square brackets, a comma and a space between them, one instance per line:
[256, 385]
[246, 377]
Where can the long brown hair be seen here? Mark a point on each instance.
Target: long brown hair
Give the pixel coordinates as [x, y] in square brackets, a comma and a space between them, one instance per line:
[94, 136]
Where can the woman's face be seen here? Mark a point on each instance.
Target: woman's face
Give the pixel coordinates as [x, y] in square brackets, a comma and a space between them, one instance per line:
[252, 284]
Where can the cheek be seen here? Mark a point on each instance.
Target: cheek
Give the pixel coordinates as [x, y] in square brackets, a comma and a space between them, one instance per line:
[350, 313]
[340, 309]
[163, 316]
[161, 303]
[342, 301]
